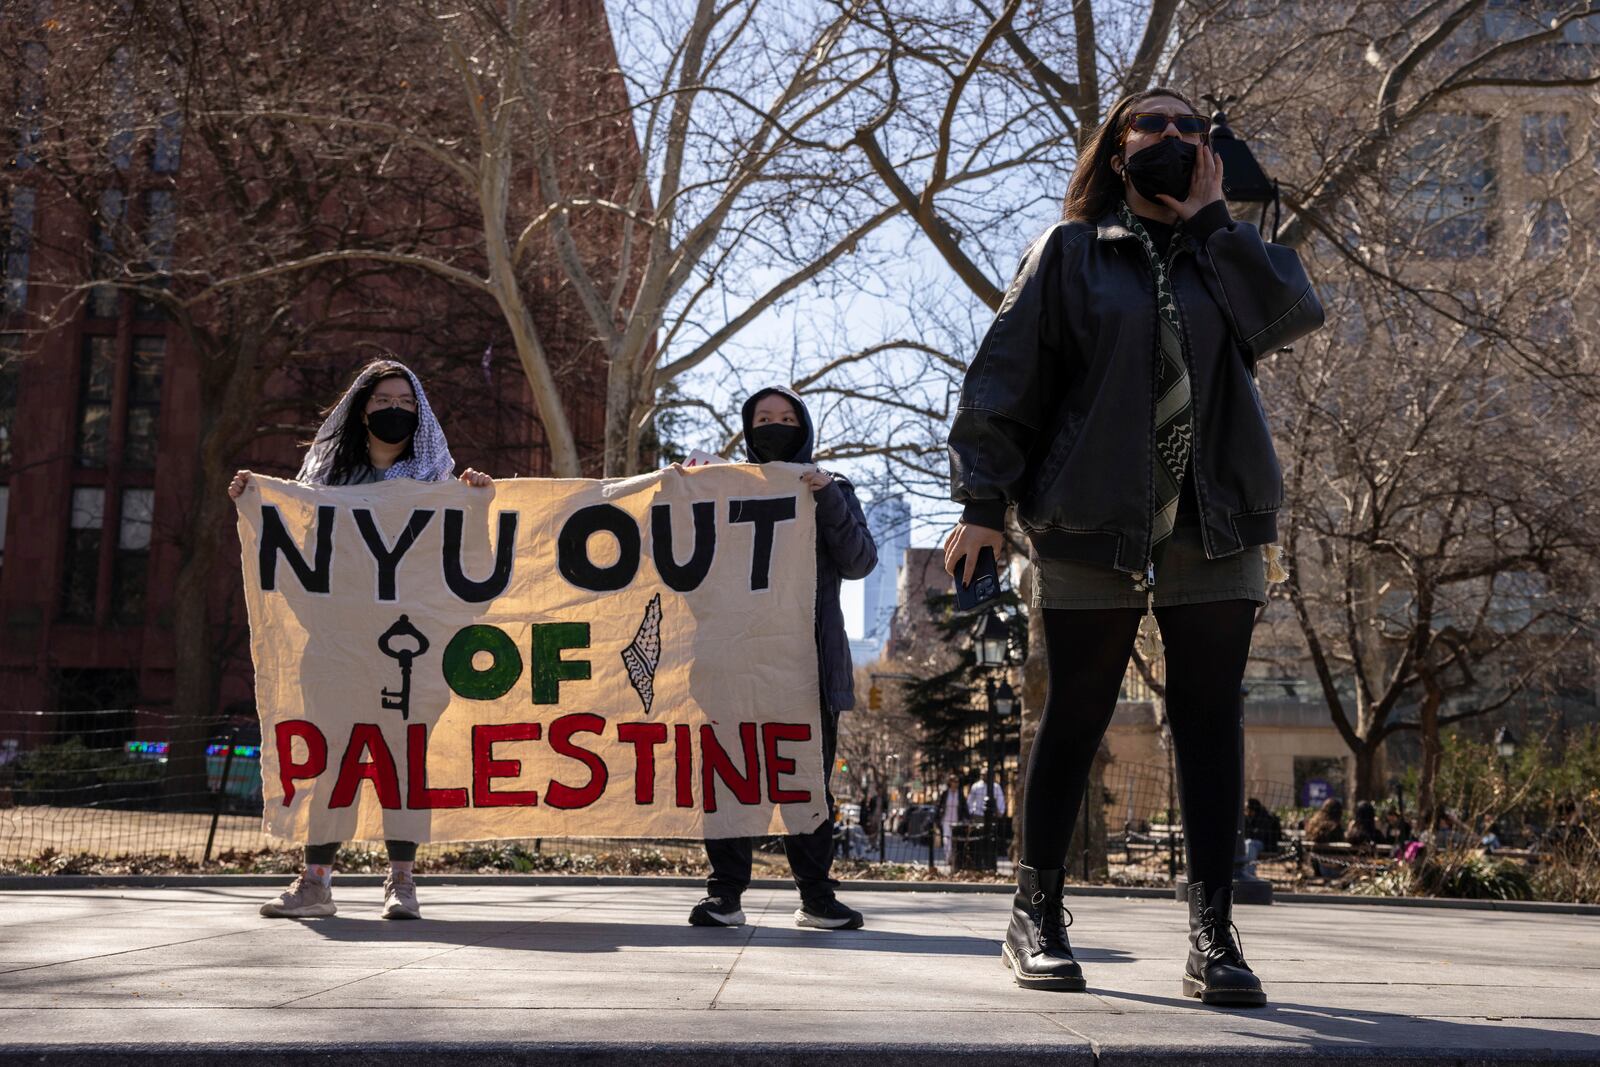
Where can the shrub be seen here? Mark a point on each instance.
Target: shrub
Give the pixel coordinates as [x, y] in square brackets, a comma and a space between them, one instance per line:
[70, 774]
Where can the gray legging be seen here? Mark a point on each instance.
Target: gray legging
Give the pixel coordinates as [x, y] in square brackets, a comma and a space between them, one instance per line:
[322, 855]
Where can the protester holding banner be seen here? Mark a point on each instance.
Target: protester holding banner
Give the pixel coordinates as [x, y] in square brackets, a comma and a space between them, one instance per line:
[778, 429]
[381, 429]
[1113, 401]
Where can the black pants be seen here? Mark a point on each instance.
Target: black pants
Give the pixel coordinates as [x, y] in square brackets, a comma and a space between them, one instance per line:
[1088, 650]
[322, 855]
[810, 855]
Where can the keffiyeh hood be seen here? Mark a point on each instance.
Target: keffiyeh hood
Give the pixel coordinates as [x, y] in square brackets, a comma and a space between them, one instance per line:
[430, 459]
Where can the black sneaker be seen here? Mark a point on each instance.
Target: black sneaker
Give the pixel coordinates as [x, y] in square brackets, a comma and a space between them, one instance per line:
[717, 911]
[828, 914]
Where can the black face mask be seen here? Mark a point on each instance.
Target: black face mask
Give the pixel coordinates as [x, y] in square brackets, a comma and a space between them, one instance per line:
[392, 425]
[776, 442]
[1165, 167]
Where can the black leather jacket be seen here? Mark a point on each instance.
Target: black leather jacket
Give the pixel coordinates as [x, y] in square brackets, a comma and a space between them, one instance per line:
[1057, 409]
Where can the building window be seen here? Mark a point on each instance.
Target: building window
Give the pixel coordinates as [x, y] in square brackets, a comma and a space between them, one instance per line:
[133, 555]
[94, 409]
[105, 300]
[1545, 146]
[1552, 327]
[30, 104]
[18, 244]
[119, 138]
[160, 226]
[1549, 228]
[144, 403]
[108, 538]
[167, 151]
[81, 570]
[97, 404]
[10, 354]
[1581, 31]
[1445, 185]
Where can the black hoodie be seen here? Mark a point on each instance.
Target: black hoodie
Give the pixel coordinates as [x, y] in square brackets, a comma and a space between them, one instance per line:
[844, 551]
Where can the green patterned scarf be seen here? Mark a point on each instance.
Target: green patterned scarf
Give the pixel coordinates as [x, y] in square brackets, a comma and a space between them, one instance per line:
[1174, 416]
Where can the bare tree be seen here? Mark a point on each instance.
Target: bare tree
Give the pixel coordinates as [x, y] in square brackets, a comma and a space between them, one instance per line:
[1437, 469]
[749, 190]
[1368, 113]
[1442, 524]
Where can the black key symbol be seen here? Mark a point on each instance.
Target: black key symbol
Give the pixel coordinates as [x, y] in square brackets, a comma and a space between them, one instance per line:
[400, 699]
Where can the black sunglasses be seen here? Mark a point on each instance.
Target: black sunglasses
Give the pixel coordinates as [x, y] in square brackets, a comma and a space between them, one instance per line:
[1156, 122]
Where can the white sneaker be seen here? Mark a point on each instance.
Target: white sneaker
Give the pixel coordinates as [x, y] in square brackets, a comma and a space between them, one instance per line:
[306, 898]
[400, 898]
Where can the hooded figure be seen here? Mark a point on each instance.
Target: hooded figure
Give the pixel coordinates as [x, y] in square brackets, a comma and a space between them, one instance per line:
[845, 550]
[427, 460]
[372, 423]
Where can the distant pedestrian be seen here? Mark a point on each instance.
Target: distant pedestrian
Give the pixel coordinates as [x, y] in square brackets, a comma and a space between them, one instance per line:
[1326, 824]
[950, 811]
[1396, 827]
[1363, 831]
[1261, 825]
[977, 799]
[381, 429]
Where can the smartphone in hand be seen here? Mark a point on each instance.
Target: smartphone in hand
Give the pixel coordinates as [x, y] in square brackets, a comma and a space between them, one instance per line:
[982, 586]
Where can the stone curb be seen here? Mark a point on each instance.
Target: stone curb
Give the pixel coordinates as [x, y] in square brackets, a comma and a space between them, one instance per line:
[677, 1054]
[51, 882]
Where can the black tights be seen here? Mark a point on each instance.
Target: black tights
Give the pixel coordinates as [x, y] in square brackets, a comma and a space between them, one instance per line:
[1088, 650]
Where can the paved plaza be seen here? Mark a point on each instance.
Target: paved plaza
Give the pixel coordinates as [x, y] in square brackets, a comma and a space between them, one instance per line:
[570, 973]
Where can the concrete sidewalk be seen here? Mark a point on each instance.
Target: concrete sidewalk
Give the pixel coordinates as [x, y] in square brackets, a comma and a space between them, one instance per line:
[596, 974]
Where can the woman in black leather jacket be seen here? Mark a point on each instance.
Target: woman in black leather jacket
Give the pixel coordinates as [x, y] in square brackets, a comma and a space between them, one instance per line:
[1113, 403]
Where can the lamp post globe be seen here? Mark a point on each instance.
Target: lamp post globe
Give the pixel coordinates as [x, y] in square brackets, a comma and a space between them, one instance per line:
[1505, 744]
[992, 641]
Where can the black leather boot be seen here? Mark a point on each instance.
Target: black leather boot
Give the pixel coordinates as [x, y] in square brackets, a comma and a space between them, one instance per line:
[1216, 971]
[1036, 947]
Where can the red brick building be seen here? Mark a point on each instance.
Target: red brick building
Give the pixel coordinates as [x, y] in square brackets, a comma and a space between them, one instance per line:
[99, 418]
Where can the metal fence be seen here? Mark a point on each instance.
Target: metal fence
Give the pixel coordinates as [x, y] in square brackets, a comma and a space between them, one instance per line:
[1144, 828]
[77, 792]
[83, 791]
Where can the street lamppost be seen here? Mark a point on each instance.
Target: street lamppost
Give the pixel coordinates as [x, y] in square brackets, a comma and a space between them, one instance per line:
[1505, 746]
[993, 643]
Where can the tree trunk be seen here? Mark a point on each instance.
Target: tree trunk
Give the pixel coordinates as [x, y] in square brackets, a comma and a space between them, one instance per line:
[1432, 754]
[194, 663]
[620, 459]
[1366, 785]
[228, 391]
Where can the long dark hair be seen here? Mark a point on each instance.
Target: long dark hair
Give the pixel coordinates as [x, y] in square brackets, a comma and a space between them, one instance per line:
[350, 454]
[1095, 188]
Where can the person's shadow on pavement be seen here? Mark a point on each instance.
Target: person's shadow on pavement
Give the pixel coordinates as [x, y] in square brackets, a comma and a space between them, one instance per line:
[1326, 1027]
